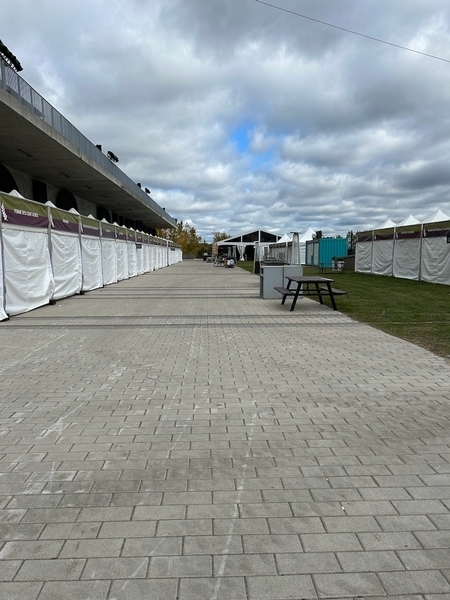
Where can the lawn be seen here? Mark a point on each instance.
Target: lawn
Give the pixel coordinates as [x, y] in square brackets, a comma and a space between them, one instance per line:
[412, 310]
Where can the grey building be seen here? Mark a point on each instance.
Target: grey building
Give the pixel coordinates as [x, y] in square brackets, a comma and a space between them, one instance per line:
[44, 157]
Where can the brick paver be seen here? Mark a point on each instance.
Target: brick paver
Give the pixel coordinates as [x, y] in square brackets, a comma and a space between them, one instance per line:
[174, 436]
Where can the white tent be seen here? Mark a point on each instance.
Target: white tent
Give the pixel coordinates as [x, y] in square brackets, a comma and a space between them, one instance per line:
[307, 235]
[406, 259]
[387, 224]
[27, 271]
[109, 252]
[285, 239]
[91, 253]
[3, 315]
[437, 217]
[288, 251]
[383, 248]
[65, 252]
[410, 250]
[146, 251]
[140, 259]
[253, 242]
[435, 263]
[131, 253]
[122, 252]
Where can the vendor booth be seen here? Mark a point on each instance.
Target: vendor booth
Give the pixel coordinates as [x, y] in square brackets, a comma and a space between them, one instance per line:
[65, 252]
[131, 253]
[91, 253]
[27, 271]
[121, 252]
[410, 250]
[109, 252]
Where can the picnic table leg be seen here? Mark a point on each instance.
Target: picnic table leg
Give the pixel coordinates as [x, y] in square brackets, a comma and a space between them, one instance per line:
[330, 292]
[319, 293]
[297, 292]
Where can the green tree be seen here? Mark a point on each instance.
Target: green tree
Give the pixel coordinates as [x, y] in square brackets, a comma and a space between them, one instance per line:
[351, 242]
[218, 236]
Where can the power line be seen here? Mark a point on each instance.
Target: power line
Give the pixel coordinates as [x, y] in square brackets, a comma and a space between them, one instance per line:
[369, 37]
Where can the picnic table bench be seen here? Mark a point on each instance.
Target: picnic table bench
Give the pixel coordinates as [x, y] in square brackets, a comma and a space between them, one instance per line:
[309, 286]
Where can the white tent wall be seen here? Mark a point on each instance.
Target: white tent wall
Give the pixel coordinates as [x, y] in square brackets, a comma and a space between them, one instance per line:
[131, 253]
[435, 265]
[121, 252]
[410, 250]
[47, 254]
[3, 315]
[109, 261]
[382, 257]
[27, 272]
[406, 262]
[151, 251]
[65, 252]
[383, 251]
[109, 252]
[146, 250]
[436, 251]
[122, 260]
[363, 257]
[140, 267]
[91, 254]
[158, 257]
[140, 260]
[66, 263]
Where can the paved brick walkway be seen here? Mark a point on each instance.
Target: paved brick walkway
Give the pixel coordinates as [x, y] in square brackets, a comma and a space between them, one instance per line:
[176, 437]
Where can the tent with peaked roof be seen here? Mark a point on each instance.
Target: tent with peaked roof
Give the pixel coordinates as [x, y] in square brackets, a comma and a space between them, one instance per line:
[245, 244]
[383, 248]
[283, 250]
[410, 250]
[437, 217]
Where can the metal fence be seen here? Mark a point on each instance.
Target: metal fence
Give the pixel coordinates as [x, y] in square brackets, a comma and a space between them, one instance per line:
[26, 95]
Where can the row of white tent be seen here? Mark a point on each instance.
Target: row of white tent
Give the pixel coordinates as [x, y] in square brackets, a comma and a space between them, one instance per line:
[47, 254]
[410, 250]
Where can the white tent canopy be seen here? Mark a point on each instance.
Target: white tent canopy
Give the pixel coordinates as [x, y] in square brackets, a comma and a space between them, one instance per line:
[408, 221]
[437, 217]
[307, 235]
[285, 251]
[387, 224]
[284, 239]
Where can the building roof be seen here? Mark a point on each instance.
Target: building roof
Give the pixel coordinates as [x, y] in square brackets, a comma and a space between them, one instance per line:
[251, 237]
[37, 140]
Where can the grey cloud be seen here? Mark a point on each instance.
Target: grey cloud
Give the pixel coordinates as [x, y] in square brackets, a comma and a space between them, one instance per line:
[343, 132]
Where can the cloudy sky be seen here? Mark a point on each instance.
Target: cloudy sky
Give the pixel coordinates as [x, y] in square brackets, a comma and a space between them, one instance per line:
[238, 115]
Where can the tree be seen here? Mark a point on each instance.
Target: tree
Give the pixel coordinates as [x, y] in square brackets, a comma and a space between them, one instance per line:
[351, 242]
[184, 235]
[218, 236]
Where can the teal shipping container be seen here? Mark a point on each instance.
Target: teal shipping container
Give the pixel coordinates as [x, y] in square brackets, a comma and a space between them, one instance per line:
[320, 252]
